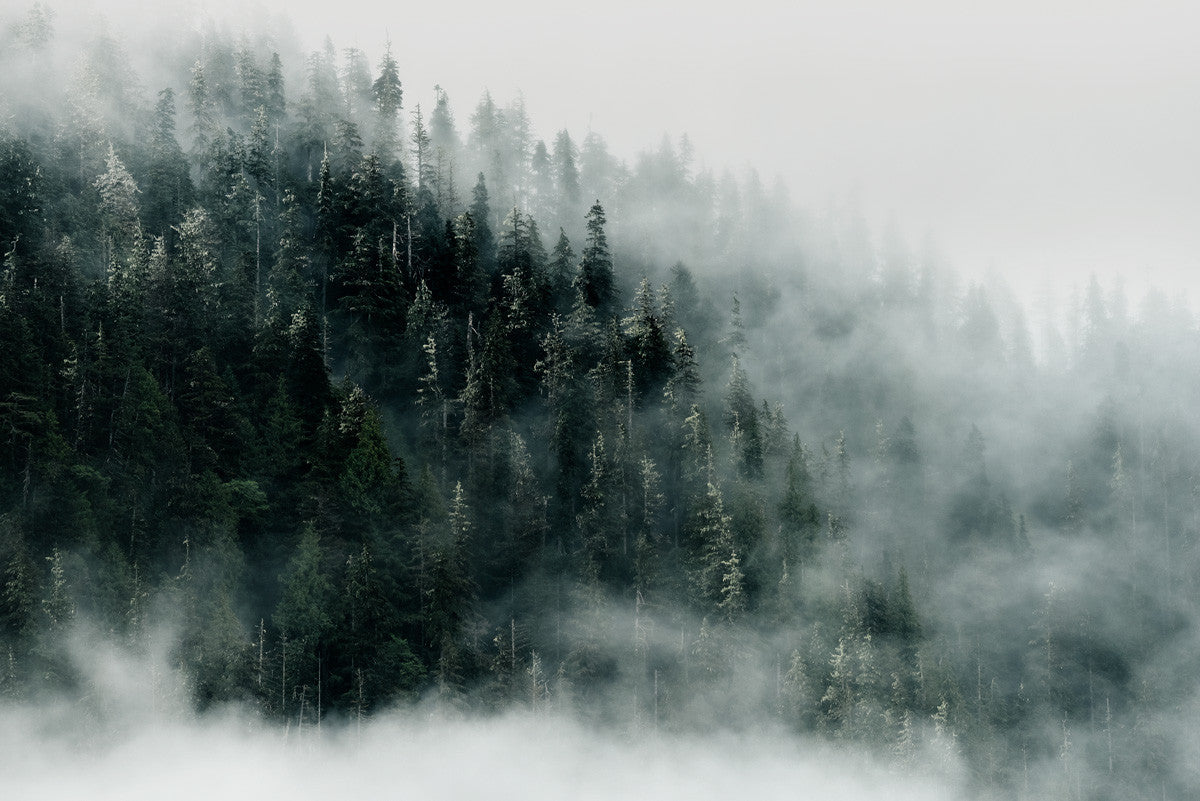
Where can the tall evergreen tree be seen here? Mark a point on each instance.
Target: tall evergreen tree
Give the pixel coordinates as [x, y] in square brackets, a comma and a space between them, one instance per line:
[595, 277]
[566, 172]
[389, 99]
[481, 214]
[648, 347]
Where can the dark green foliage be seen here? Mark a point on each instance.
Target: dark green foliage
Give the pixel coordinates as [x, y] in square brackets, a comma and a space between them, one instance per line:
[303, 615]
[389, 98]
[20, 203]
[169, 190]
[649, 350]
[449, 590]
[799, 517]
[566, 172]
[561, 267]
[490, 385]
[595, 277]
[483, 240]
[304, 370]
[18, 590]
[371, 664]
[741, 417]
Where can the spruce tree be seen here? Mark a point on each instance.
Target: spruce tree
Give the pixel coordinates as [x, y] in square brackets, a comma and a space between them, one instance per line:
[647, 344]
[389, 98]
[566, 172]
[595, 277]
[484, 241]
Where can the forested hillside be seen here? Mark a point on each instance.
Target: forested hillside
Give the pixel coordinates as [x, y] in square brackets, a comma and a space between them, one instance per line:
[369, 405]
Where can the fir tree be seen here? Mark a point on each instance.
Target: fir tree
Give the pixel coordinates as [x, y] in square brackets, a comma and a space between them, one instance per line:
[566, 173]
[595, 277]
[389, 98]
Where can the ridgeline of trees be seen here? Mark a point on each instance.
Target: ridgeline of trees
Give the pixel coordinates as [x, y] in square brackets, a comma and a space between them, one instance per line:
[369, 413]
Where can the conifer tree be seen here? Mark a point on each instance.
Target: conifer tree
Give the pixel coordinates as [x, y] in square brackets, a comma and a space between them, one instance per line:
[57, 605]
[422, 153]
[275, 99]
[712, 542]
[289, 278]
[118, 202]
[648, 534]
[541, 172]
[251, 88]
[595, 277]
[562, 268]
[648, 348]
[200, 103]
[569, 412]
[345, 148]
[169, 187]
[357, 85]
[490, 384]
[470, 285]
[566, 172]
[370, 487]
[389, 99]
[484, 123]
[741, 417]
[484, 242]
[595, 517]
[683, 386]
[442, 132]
[528, 527]
[18, 591]
[798, 515]
[736, 341]
[302, 615]
[306, 373]
[451, 589]
[733, 589]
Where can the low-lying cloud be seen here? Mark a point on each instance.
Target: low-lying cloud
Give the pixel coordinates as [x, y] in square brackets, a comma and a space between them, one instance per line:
[131, 737]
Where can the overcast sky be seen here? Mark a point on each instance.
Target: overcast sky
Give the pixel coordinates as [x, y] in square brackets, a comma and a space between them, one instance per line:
[1034, 137]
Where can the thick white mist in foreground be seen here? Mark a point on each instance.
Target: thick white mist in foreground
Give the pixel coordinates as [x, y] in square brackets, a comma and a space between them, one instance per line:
[406, 757]
[133, 738]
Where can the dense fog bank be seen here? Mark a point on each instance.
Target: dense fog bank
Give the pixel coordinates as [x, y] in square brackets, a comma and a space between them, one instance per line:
[133, 736]
[542, 758]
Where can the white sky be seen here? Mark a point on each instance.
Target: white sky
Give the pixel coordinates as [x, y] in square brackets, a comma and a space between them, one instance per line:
[1037, 138]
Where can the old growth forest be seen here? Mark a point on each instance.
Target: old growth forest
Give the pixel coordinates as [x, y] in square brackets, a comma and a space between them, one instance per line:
[364, 405]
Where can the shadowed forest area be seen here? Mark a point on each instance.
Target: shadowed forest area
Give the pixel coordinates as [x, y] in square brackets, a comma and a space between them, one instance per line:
[372, 405]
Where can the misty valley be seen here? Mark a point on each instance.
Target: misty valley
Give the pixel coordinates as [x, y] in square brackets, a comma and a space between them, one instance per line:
[338, 423]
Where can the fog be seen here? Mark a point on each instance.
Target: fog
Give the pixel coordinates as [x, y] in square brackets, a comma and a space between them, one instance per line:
[977, 421]
[1042, 141]
[134, 737]
[399, 756]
